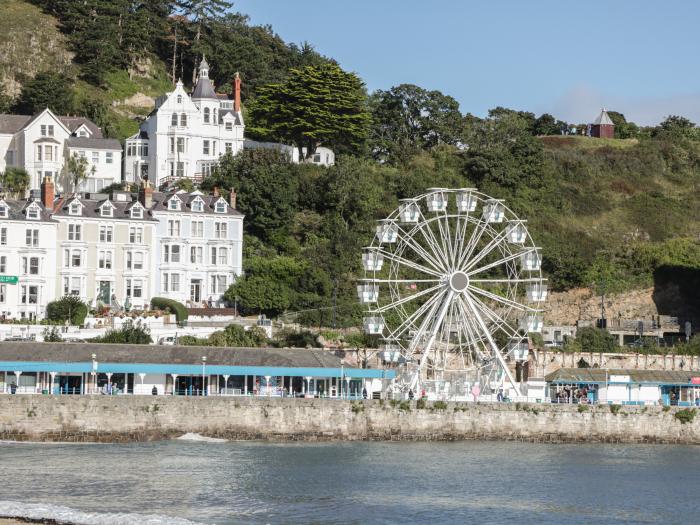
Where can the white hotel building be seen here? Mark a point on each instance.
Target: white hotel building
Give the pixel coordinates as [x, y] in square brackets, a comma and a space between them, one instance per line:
[42, 143]
[184, 135]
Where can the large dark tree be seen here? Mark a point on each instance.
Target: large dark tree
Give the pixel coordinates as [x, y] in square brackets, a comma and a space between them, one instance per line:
[316, 105]
[46, 90]
[408, 118]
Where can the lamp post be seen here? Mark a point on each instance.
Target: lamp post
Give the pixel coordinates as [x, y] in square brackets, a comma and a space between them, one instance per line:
[94, 373]
[204, 371]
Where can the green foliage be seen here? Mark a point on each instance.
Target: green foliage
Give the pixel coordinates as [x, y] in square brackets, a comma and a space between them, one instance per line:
[589, 339]
[421, 404]
[615, 409]
[295, 339]
[129, 333]
[163, 303]
[408, 118]
[357, 407]
[236, 336]
[46, 90]
[317, 105]
[75, 170]
[584, 408]
[14, 181]
[405, 406]
[685, 415]
[440, 405]
[68, 308]
[52, 335]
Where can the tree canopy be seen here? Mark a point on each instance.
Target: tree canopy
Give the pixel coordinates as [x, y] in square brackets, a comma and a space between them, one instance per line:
[46, 90]
[315, 105]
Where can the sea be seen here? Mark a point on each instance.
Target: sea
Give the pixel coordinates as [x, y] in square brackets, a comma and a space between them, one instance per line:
[199, 482]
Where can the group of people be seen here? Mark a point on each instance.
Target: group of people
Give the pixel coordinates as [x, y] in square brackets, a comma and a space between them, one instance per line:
[572, 395]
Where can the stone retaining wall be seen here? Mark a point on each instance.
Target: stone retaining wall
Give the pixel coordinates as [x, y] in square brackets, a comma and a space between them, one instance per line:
[144, 418]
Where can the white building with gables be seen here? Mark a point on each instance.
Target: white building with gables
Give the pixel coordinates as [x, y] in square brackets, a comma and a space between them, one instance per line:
[42, 143]
[185, 135]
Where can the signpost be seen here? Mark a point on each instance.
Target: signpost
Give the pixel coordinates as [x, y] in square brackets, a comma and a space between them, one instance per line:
[10, 279]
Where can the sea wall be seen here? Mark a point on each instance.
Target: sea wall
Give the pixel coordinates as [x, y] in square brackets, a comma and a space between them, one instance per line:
[143, 418]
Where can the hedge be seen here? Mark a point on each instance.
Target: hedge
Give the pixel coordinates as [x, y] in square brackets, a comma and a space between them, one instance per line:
[178, 309]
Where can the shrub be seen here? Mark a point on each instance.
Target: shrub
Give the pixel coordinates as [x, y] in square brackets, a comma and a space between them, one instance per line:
[420, 404]
[52, 335]
[615, 409]
[440, 405]
[178, 309]
[358, 408]
[66, 308]
[405, 406]
[584, 408]
[685, 416]
[129, 333]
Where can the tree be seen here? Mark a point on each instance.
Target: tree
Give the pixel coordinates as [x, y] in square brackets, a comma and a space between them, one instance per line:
[546, 124]
[5, 101]
[236, 336]
[46, 90]
[52, 335]
[68, 308]
[589, 339]
[408, 118]
[14, 181]
[267, 184]
[623, 129]
[130, 333]
[676, 126]
[316, 105]
[75, 170]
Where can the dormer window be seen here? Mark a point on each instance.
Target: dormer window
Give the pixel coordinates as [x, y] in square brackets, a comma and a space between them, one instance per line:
[137, 212]
[229, 126]
[173, 119]
[220, 207]
[179, 99]
[3, 210]
[74, 209]
[174, 204]
[33, 213]
[82, 133]
[106, 210]
[197, 205]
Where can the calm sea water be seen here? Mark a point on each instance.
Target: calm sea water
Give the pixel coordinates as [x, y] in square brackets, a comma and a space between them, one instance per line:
[244, 482]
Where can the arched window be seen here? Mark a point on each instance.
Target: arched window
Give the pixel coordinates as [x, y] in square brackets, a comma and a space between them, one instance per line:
[173, 120]
[183, 119]
[179, 99]
[206, 115]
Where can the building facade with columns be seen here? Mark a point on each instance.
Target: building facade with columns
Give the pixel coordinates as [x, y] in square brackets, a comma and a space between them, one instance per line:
[185, 134]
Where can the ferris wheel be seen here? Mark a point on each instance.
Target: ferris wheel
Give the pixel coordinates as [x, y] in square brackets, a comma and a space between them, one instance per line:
[452, 286]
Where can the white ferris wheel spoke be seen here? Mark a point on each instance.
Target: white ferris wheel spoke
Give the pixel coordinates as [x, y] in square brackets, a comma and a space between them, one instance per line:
[504, 260]
[470, 329]
[479, 230]
[408, 322]
[413, 297]
[401, 260]
[494, 243]
[445, 240]
[514, 304]
[498, 322]
[516, 280]
[409, 241]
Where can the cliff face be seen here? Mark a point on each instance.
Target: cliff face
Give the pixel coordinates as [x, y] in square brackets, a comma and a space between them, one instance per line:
[30, 42]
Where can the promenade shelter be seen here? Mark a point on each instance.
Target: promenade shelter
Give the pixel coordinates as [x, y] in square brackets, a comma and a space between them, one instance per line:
[92, 368]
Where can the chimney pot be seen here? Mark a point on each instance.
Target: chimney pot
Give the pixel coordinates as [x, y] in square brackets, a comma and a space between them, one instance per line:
[146, 195]
[232, 198]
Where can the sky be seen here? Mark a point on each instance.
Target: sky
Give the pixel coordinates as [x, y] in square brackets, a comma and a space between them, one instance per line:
[566, 58]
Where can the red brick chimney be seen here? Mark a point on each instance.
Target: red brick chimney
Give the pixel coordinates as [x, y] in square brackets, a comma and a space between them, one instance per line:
[232, 198]
[146, 195]
[48, 192]
[237, 92]
[216, 191]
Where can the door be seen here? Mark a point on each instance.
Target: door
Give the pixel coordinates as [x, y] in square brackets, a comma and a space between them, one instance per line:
[105, 293]
[196, 290]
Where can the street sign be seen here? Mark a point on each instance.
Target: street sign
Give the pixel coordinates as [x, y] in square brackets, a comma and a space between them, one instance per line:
[11, 279]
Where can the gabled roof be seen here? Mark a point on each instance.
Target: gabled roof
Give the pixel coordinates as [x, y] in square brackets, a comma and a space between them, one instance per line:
[603, 119]
[92, 206]
[16, 211]
[47, 110]
[160, 200]
[92, 143]
[13, 123]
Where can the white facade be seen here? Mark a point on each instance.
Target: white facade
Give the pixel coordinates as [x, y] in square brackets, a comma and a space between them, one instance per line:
[322, 156]
[198, 253]
[27, 253]
[40, 144]
[185, 135]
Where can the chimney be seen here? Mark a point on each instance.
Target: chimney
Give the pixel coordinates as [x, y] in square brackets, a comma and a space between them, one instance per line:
[146, 195]
[216, 191]
[237, 92]
[232, 198]
[48, 192]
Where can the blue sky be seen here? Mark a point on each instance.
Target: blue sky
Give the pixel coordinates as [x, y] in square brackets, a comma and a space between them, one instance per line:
[566, 58]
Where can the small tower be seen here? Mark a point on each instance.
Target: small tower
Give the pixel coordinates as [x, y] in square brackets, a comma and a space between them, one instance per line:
[204, 88]
[603, 127]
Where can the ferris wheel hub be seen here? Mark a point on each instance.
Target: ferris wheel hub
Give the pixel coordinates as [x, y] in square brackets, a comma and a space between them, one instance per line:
[459, 281]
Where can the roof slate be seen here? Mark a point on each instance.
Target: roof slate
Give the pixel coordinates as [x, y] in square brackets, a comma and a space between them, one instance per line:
[601, 375]
[92, 143]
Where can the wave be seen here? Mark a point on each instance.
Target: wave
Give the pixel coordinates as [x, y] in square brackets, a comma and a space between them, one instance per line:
[69, 516]
[193, 436]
